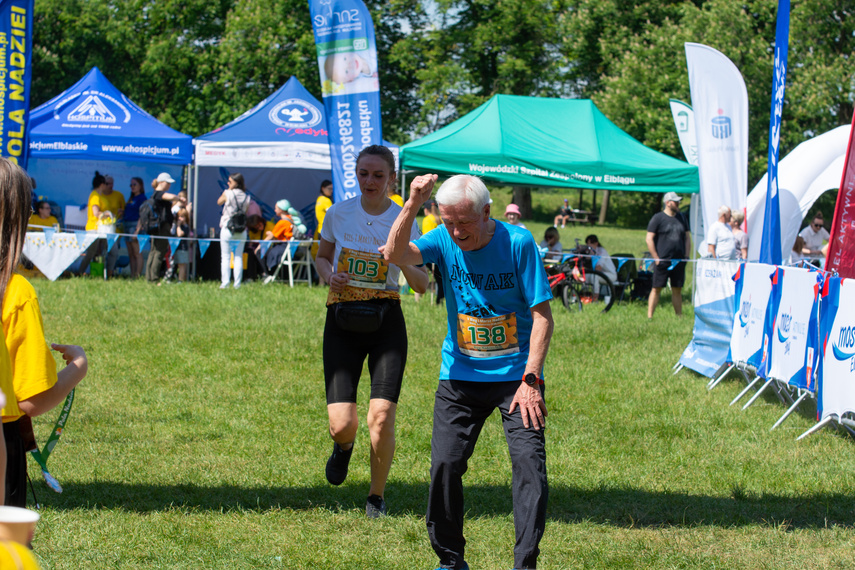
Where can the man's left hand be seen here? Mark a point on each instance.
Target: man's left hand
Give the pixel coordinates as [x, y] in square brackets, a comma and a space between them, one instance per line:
[532, 406]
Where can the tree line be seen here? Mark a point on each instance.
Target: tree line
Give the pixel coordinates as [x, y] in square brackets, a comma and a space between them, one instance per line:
[197, 64]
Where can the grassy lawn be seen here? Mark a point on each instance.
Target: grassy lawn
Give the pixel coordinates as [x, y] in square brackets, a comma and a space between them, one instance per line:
[199, 438]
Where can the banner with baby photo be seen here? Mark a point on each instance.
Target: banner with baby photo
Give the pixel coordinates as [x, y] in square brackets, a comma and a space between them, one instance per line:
[347, 60]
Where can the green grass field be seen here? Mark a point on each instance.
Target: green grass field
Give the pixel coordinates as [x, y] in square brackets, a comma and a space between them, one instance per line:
[199, 439]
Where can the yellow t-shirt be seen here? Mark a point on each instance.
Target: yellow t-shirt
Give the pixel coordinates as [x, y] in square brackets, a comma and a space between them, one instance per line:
[115, 201]
[258, 236]
[322, 204]
[36, 220]
[397, 198]
[33, 366]
[428, 224]
[95, 199]
[14, 555]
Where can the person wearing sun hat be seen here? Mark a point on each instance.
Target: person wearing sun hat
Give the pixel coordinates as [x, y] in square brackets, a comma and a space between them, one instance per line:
[668, 238]
[512, 214]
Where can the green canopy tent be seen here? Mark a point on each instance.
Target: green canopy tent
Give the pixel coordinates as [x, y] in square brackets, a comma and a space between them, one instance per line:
[535, 141]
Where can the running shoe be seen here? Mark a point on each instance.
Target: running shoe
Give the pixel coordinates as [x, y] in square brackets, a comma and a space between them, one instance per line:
[375, 507]
[337, 465]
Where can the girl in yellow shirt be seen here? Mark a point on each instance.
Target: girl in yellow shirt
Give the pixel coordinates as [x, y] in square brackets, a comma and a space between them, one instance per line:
[36, 386]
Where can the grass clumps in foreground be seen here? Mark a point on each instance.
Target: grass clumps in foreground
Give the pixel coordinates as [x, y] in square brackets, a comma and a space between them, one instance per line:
[199, 438]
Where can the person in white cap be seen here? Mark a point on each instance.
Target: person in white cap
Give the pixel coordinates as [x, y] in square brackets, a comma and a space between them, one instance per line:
[668, 239]
[159, 235]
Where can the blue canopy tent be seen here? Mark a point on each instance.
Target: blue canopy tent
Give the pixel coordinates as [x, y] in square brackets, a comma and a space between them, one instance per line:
[93, 126]
[280, 146]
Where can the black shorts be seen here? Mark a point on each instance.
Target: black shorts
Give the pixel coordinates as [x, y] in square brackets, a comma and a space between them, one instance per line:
[661, 275]
[345, 353]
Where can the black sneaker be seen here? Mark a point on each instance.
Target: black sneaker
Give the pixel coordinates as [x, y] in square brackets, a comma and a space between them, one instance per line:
[375, 507]
[337, 465]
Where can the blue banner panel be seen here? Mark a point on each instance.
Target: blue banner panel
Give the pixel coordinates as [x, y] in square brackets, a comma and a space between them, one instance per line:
[16, 48]
[713, 302]
[770, 249]
[347, 60]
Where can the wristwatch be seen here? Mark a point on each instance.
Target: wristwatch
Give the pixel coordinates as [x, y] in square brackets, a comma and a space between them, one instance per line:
[532, 380]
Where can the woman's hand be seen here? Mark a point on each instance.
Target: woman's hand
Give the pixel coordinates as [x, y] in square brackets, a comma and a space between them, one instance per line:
[338, 281]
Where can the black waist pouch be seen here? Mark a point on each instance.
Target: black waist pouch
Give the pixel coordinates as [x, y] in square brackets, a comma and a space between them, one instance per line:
[361, 316]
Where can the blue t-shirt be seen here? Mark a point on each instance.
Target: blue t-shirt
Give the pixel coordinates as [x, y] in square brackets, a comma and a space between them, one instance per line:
[132, 208]
[488, 294]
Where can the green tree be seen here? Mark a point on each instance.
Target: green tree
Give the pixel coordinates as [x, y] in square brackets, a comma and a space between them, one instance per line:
[473, 49]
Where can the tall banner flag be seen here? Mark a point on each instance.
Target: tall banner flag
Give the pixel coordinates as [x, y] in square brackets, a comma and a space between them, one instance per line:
[684, 121]
[720, 102]
[347, 60]
[16, 48]
[770, 246]
[841, 246]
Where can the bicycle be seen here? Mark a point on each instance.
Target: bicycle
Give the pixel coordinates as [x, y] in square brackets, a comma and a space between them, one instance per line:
[579, 284]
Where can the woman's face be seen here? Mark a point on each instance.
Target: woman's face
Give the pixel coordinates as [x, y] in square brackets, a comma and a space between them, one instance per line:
[136, 187]
[327, 190]
[512, 217]
[232, 183]
[374, 176]
[44, 211]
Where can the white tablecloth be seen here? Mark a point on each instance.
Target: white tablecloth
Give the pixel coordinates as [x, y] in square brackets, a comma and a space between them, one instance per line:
[53, 256]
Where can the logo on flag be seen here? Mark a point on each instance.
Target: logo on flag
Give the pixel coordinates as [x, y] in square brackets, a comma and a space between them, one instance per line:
[295, 114]
[721, 126]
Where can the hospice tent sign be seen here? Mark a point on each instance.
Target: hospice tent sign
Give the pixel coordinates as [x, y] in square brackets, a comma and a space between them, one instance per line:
[16, 47]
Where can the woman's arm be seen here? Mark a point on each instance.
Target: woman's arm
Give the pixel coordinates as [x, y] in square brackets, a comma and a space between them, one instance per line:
[417, 277]
[222, 199]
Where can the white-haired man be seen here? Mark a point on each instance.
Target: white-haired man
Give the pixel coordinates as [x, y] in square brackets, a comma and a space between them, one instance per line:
[499, 327]
[721, 243]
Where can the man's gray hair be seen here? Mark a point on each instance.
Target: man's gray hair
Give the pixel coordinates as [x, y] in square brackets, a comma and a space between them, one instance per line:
[723, 211]
[463, 187]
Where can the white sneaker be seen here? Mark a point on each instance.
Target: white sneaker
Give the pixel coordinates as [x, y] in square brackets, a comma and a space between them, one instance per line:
[268, 279]
[224, 286]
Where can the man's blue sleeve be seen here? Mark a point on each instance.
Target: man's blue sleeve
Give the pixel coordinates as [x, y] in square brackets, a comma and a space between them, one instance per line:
[429, 247]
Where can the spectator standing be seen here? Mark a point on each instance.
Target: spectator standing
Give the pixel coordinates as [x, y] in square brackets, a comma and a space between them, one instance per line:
[721, 243]
[499, 328]
[162, 199]
[234, 199]
[668, 239]
[739, 236]
[132, 218]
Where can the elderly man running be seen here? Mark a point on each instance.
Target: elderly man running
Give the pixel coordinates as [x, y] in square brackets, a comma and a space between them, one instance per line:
[499, 327]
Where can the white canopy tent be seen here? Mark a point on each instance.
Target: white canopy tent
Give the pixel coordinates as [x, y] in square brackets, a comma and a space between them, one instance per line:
[811, 169]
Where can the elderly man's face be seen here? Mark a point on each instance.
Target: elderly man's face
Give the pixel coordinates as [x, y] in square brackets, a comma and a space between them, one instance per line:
[467, 228]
